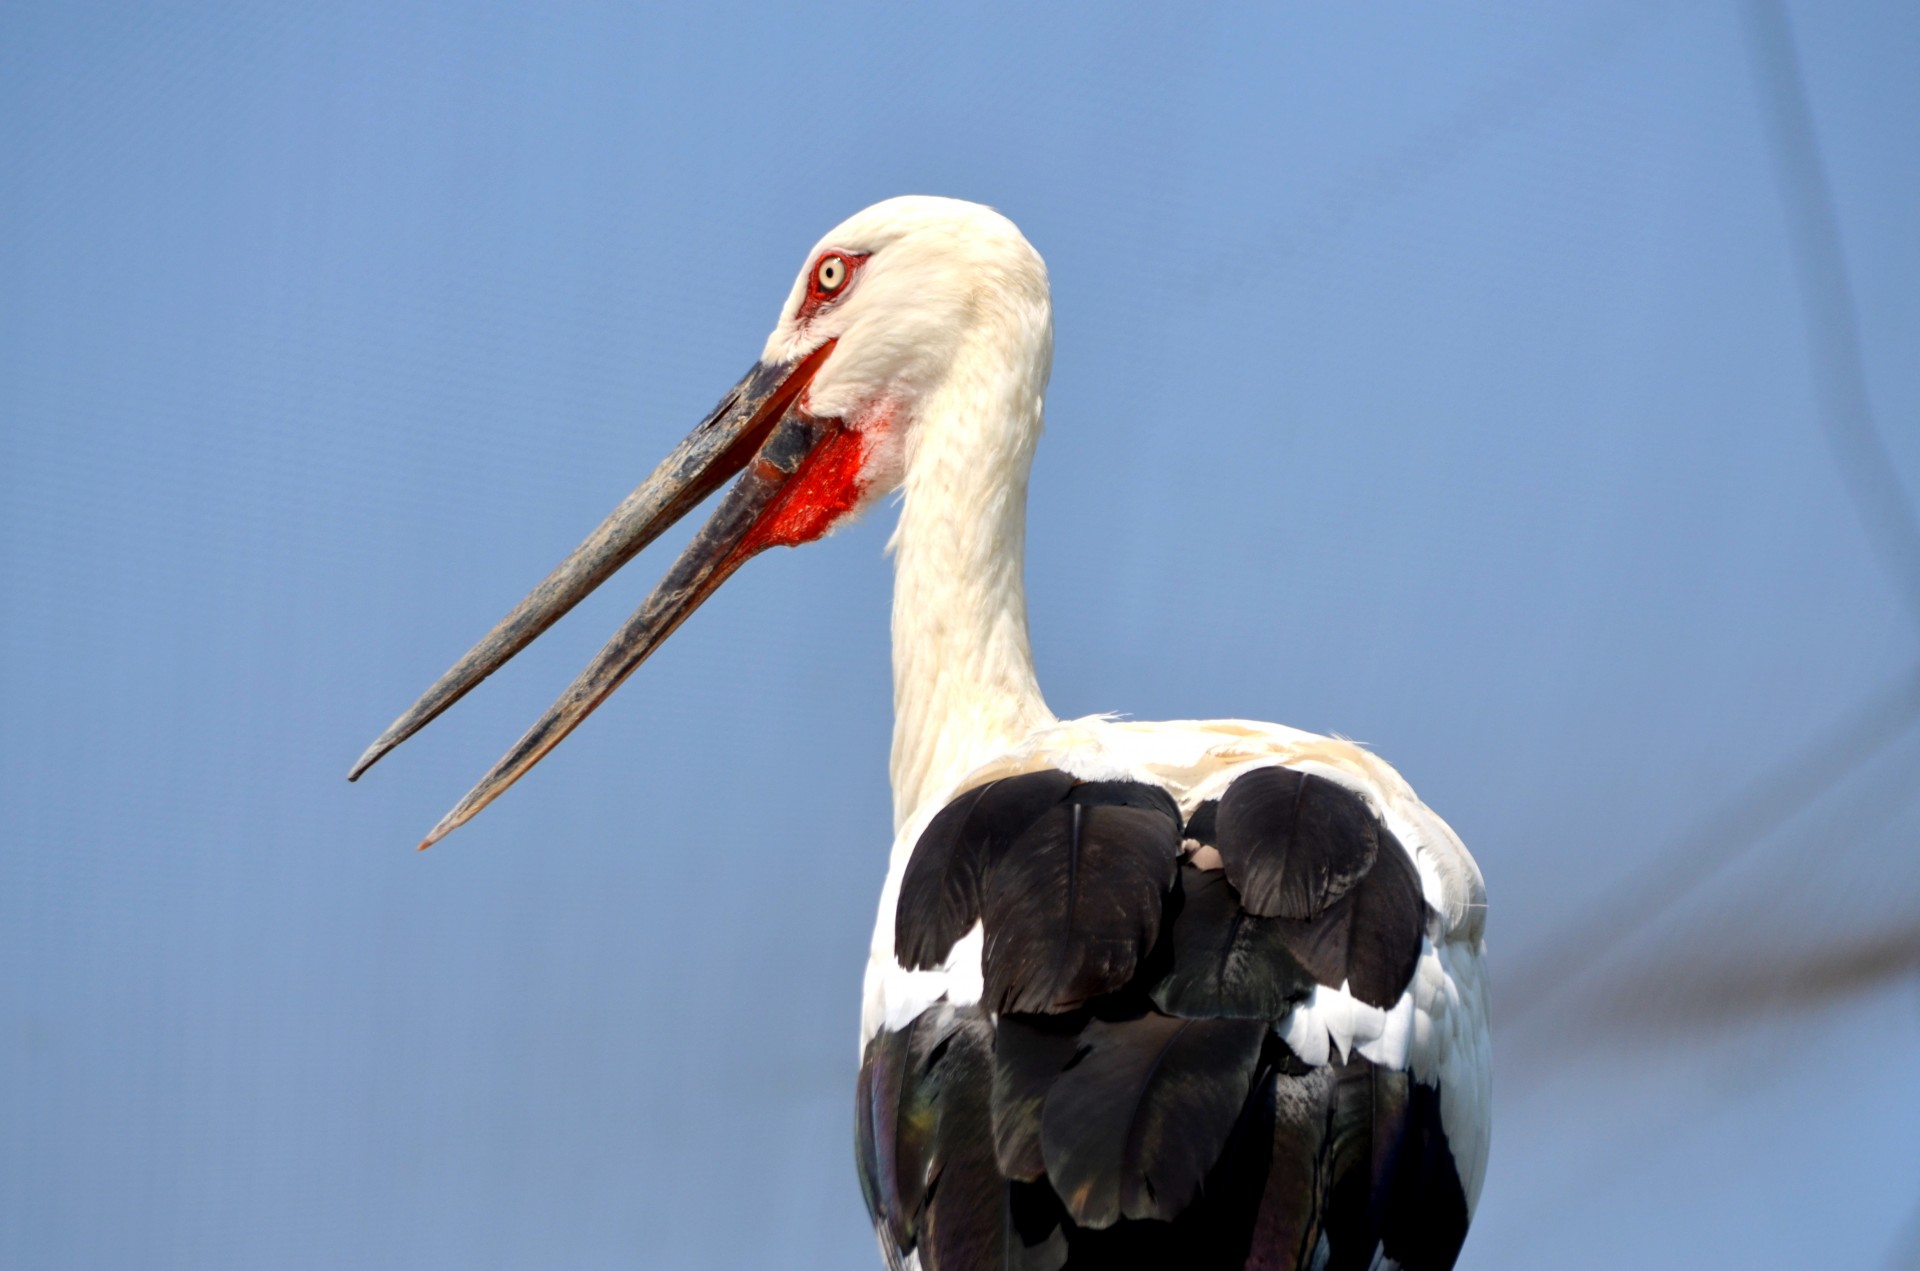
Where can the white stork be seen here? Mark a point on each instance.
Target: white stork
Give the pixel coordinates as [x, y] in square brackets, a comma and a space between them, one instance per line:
[1187, 994]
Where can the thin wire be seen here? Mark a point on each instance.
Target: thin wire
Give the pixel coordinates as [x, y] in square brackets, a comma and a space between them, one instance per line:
[1866, 466]
[1906, 1245]
[1872, 485]
[1439, 147]
[1724, 975]
[1740, 823]
[1833, 336]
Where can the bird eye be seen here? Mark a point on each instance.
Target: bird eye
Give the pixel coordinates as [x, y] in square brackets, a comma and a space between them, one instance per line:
[831, 273]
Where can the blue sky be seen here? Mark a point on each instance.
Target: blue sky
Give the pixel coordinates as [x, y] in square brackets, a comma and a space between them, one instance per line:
[1435, 377]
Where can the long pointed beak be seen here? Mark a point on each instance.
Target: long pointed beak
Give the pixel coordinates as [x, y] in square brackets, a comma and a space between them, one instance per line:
[757, 428]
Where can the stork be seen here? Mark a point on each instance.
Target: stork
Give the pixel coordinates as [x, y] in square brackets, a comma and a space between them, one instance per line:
[1189, 994]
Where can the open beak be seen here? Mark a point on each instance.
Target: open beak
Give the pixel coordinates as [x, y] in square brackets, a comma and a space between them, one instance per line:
[758, 429]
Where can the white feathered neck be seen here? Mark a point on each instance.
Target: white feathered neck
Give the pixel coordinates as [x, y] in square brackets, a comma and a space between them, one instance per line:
[963, 679]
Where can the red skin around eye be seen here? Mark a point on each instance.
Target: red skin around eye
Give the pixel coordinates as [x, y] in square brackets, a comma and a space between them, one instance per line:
[817, 298]
[831, 480]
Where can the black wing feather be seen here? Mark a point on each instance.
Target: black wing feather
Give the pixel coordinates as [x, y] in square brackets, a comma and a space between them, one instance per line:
[1030, 1051]
[1072, 905]
[925, 1148]
[1370, 937]
[940, 890]
[1134, 1125]
[891, 1138]
[1361, 1163]
[1426, 1220]
[1294, 843]
[1226, 961]
[1119, 1097]
[966, 1222]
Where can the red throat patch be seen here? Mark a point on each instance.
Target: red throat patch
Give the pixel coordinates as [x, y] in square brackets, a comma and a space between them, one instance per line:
[826, 488]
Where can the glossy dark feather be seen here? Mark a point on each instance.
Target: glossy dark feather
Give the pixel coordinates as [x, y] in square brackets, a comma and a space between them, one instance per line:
[925, 1148]
[1293, 843]
[940, 891]
[966, 1222]
[893, 1122]
[1426, 1222]
[1370, 937]
[1119, 1096]
[1293, 1201]
[1225, 961]
[1330, 883]
[1355, 1198]
[1073, 904]
[1136, 1122]
[1030, 1052]
[1361, 1163]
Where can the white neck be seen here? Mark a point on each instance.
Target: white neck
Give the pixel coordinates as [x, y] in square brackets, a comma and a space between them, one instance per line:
[963, 681]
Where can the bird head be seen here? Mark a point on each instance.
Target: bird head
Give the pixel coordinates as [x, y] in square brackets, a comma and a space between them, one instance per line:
[908, 301]
[905, 290]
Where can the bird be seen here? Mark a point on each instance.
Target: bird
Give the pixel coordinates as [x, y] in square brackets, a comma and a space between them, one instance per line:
[1190, 994]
